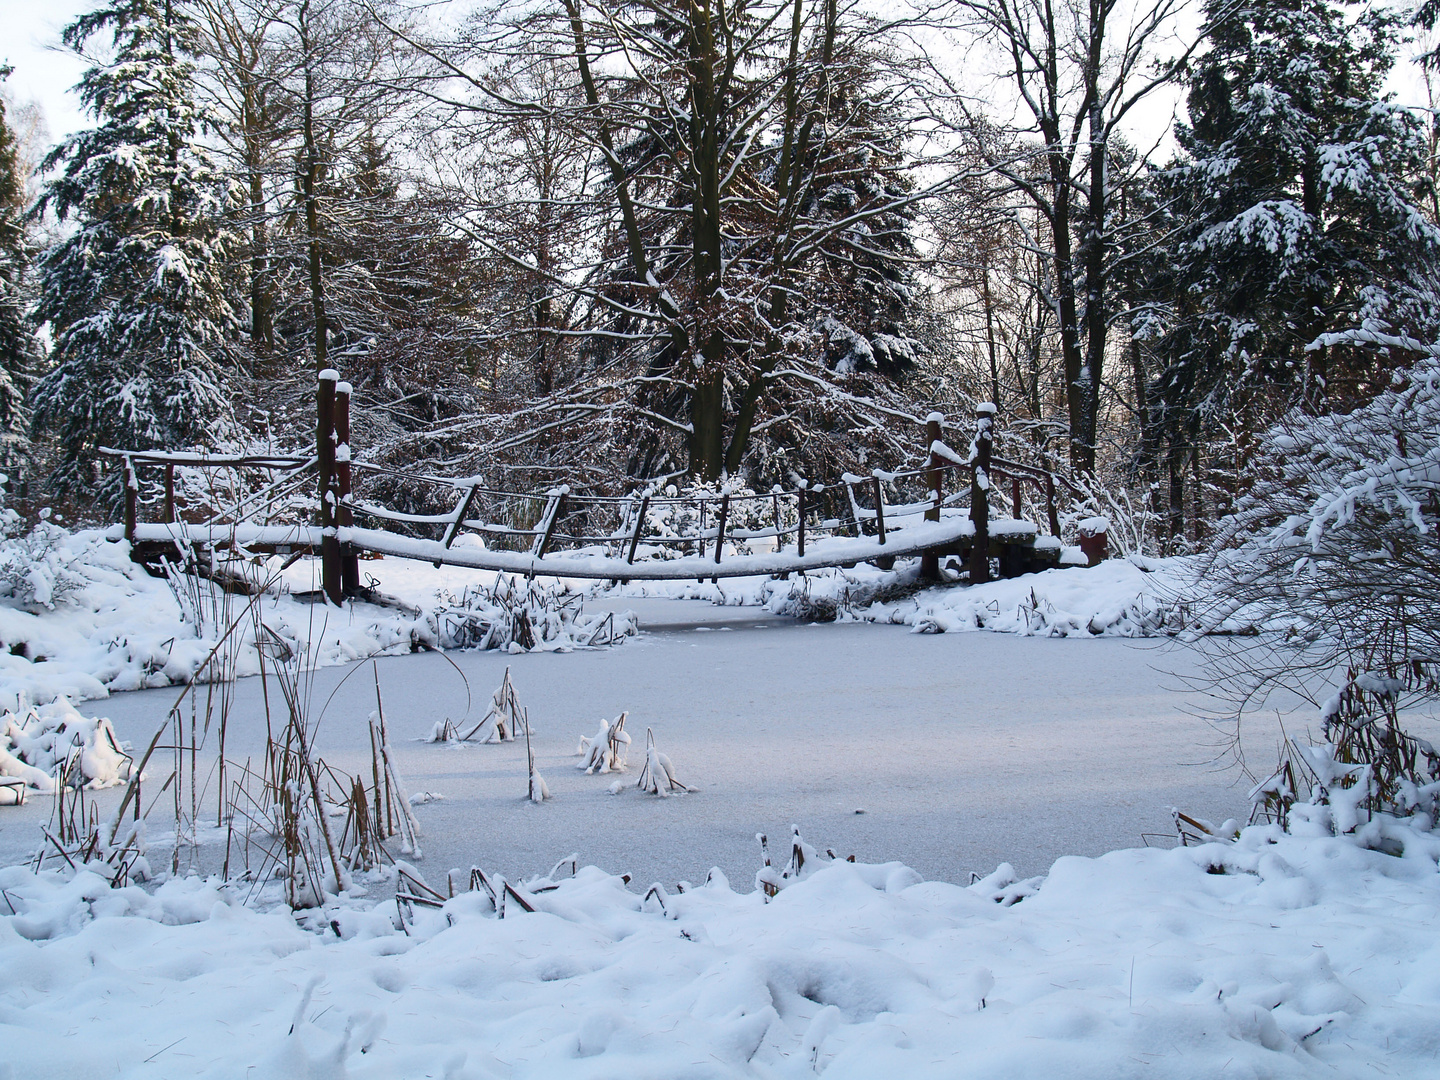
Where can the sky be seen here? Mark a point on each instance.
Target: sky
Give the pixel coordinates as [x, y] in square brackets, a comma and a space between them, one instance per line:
[43, 72]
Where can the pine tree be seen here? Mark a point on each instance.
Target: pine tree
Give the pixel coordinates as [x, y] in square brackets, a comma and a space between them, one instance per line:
[18, 352]
[135, 296]
[1297, 216]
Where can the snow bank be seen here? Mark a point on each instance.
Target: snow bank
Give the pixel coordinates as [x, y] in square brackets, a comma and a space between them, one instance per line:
[83, 620]
[1245, 959]
[1118, 598]
[42, 742]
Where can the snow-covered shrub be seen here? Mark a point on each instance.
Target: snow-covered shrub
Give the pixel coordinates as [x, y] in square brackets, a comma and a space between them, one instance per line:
[1340, 533]
[43, 567]
[521, 615]
[1336, 551]
[1367, 765]
[37, 744]
[666, 520]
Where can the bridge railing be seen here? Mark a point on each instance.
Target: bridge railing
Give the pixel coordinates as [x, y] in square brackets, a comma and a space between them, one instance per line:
[658, 524]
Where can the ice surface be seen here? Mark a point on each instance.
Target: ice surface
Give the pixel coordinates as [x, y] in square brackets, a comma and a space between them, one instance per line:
[966, 750]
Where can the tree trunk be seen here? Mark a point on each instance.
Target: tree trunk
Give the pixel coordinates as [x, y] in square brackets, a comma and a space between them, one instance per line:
[309, 181]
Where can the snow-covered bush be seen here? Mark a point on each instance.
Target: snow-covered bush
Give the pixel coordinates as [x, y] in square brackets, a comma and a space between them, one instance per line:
[43, 567]
[520, 615]
[37, 744]
[1367, 766]
[1338, 543]
[1336, 550]
[665, 520]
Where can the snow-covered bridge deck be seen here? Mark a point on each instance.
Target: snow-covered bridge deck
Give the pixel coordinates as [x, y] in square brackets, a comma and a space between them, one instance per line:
[906, 538]
[652, 534]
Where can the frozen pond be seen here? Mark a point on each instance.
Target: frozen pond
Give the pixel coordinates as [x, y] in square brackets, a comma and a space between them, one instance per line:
[962, 749]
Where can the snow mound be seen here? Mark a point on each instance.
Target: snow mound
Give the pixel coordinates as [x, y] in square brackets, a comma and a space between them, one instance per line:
[46, 741]
[79, 620]
[1244, 958]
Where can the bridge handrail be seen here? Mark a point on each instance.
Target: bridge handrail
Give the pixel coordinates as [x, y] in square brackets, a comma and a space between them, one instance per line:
[571, 519]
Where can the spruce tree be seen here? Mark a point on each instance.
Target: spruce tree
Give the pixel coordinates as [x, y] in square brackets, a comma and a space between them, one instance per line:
[1296, 212]
[18, 350]
[135, 295]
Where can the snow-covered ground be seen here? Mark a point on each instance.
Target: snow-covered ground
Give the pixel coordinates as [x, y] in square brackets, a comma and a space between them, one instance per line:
[1273, 956]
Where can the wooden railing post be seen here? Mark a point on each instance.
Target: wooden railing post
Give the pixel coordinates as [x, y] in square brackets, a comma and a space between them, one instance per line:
[169, 492]
[930, 560]
[132, 499]
[325, 455]
[720, 528]
[879, 510]
[1050, 510]
[344, 516]
[639, 524]
[980, 493]
[800, 524]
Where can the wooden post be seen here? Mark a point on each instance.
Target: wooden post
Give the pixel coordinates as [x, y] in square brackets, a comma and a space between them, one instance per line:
[132, 499]
[1015, 498]
[1050, 510]
[556, 511]
[800, 528]
[639, 524]
[702, 528]
[344, 516]
[325, 453]
[930, 560]
[720, 526]
[879, 510]
[169, 491]
[980, 493]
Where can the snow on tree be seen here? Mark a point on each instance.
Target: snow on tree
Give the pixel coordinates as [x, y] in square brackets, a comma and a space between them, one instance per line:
[1297, 213]
[19, 353]
[135, 295]
[1337, 547]
[740, 285]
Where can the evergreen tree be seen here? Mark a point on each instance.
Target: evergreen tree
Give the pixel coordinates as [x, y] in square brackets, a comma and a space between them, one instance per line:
[17, 339]
[135, 296]
[1296, 216]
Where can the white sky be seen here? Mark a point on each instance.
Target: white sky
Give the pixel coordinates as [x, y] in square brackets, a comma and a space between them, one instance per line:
[45, 72]
[30, 44]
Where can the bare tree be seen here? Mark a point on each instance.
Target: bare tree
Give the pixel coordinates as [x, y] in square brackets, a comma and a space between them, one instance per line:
[1078, 70]
[746, 265]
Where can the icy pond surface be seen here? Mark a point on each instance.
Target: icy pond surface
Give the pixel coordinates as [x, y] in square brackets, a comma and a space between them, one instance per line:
[963, 750]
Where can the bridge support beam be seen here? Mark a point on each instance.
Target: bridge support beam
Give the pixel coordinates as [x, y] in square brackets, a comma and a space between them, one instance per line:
[344, 516]
[325, 454]
[930, 560]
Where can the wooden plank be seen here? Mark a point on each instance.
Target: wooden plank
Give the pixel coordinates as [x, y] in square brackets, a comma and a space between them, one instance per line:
[325, 453]
[556, 508]
[720, 528]
[639, 524]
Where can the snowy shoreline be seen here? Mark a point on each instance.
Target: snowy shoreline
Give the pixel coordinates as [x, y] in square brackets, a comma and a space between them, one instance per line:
[1238, 959]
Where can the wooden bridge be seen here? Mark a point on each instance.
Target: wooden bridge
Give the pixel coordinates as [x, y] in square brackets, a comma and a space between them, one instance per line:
[649, 535]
